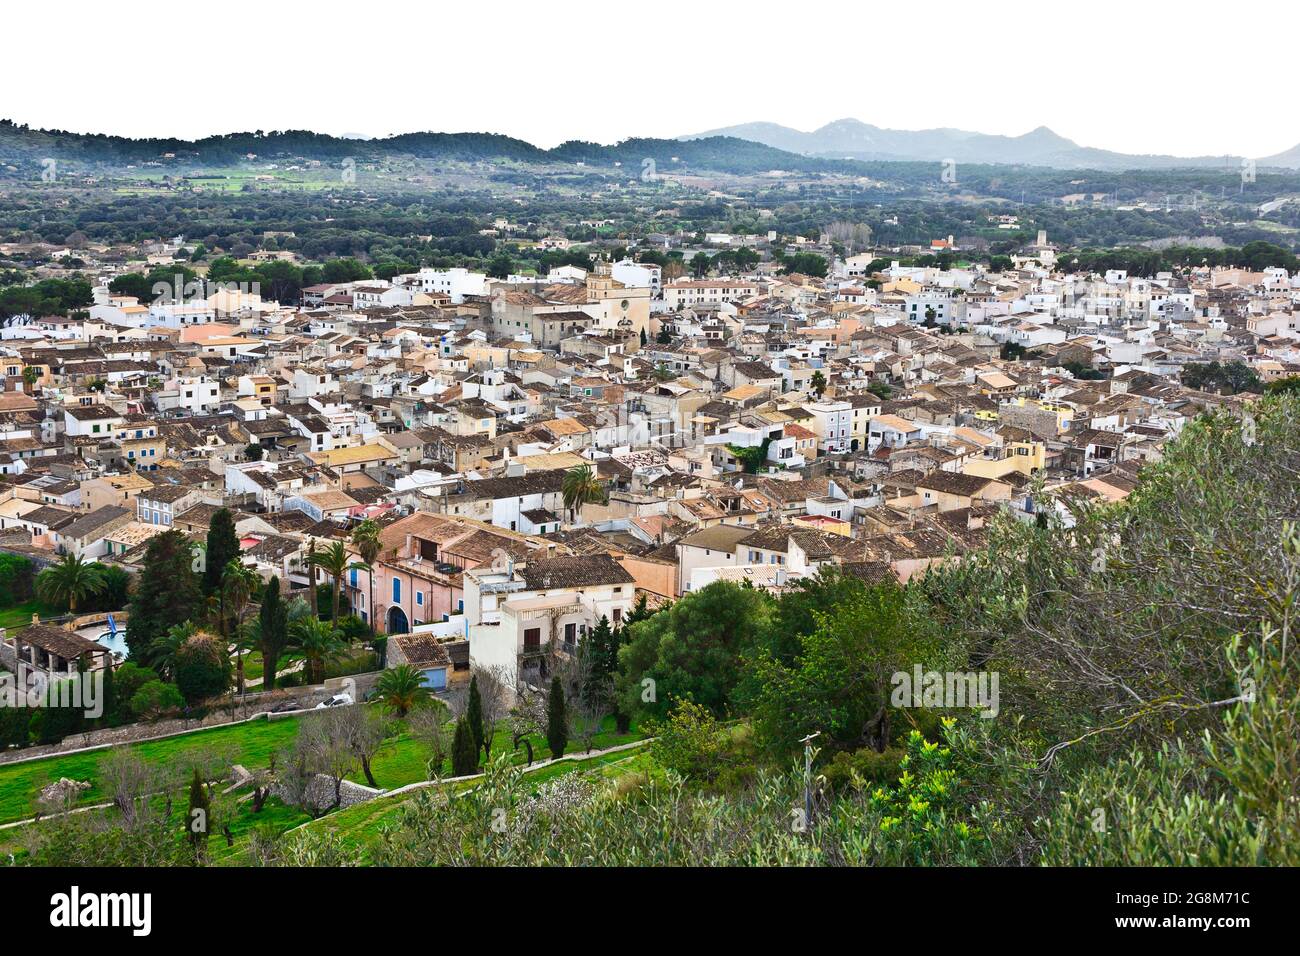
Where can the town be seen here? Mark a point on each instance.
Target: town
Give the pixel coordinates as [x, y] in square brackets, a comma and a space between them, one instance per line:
[466, 486]
[574, 477]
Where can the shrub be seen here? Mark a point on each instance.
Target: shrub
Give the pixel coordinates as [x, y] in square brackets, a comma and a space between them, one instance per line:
[15, 580]
[872, 769]
[688, 742]
[202, 668]
[155, 699]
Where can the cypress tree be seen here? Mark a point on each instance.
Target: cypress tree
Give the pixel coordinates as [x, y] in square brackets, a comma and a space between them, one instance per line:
[557, 722]
[474, 714]
[464, 756]
[273, 621]
[223, 544]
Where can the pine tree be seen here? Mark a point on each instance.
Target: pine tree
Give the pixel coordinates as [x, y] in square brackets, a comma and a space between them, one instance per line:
[223, 544]
[640, 610]
[474, 714]
[557, 721]
[196, 821]
[464, 756]
[168, 593]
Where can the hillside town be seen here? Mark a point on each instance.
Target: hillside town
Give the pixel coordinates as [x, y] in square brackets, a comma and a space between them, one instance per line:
[542, 451]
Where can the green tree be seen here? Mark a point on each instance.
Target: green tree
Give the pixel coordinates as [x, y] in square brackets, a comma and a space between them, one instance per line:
[202, 668]
[474, 713]
[167, 593]
[222, 546]
[70, 582]
[692, 650]
[402, 689]
[365, 538]
[818, 383]
[580, 486]
[837, 681]
[319, 644]
[334, 562]
[238, 585]
[155, 699]
[464, 755]
[273, 631]
[557, 720]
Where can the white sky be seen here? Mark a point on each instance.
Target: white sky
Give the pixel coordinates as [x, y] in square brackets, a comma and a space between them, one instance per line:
[1139, 76]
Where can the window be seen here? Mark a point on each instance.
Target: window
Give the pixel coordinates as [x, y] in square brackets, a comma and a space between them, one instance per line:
[618, 615]
[419, 598]
[397, 590]
[532, 638]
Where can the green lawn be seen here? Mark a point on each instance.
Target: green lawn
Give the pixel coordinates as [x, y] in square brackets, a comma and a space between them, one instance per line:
[20, 615]
[402, 759]
[250, 744]
[359, 825]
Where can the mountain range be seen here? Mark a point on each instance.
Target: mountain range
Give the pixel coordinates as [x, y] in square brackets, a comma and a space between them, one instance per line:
[854, 139]
[840, 147]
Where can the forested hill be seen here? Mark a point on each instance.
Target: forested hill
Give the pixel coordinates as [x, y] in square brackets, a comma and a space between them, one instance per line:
[21, 144]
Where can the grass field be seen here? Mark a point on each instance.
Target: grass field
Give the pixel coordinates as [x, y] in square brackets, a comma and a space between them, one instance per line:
[250, 744]
[401, 759]
[20, 615]
[359, 826]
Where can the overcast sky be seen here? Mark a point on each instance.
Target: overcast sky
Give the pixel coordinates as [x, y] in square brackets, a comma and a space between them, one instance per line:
[1139, 76]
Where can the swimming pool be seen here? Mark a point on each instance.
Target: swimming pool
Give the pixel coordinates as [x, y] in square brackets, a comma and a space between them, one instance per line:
[115, 642]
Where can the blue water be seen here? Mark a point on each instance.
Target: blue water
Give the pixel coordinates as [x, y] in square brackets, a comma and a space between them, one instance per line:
[114, 642]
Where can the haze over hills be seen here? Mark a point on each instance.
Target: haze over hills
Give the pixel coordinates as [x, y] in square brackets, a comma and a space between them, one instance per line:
[846, 147]
[854, 139]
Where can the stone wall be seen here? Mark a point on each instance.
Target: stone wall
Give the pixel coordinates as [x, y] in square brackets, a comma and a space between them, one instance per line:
[320, 793]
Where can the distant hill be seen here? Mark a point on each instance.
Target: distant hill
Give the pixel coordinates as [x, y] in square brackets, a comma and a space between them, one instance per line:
[854, 139]
[846, 147]
[1290, 159]
[23, 144]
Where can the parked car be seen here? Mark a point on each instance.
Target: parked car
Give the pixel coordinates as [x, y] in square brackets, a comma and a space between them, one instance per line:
[338, 700]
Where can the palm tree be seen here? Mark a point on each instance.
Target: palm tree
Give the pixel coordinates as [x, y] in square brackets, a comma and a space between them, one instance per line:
[70, 581]
[366, 540]
[818, 383]
[334, 562]
[162, 656]
[580, 486]
[318, 643]
[238, 585]
[402, 689]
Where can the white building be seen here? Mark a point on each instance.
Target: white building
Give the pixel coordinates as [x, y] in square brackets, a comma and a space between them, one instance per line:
[456, 283]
